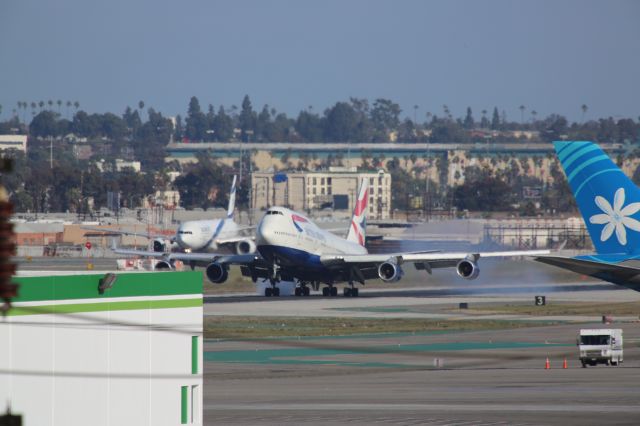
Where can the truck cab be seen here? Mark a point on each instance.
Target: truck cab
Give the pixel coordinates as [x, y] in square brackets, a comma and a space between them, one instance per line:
[600, 346]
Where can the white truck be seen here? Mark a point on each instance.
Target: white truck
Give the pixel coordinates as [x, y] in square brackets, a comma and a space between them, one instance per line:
[600, 346]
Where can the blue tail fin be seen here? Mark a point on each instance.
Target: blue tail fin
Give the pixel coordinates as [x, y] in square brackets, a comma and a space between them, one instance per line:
[608, 200]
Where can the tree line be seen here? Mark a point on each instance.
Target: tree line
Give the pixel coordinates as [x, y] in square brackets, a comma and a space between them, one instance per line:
[66, 183]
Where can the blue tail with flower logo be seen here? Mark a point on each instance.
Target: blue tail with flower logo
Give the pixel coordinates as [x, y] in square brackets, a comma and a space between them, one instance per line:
[608, 200]
[610, 205]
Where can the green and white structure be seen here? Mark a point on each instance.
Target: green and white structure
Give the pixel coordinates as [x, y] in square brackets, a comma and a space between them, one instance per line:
[129, 355]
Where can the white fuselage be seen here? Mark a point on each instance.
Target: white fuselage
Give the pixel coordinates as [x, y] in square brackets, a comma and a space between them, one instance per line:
[201, 235]
[294, 239]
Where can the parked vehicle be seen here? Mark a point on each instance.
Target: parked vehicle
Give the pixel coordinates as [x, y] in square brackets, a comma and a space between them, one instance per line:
[600, 346]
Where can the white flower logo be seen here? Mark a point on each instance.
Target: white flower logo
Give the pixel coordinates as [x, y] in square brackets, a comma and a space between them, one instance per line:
[616, 218]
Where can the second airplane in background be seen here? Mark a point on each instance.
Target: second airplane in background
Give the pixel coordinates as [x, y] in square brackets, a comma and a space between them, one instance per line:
[205, 236]
[293, 248]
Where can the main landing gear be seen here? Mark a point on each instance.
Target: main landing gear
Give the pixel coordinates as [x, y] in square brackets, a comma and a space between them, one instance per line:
[302, 289]
[329, 291]
[350, 292]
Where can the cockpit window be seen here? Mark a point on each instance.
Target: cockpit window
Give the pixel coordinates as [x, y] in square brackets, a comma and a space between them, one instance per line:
[185, 232]
[275, 212]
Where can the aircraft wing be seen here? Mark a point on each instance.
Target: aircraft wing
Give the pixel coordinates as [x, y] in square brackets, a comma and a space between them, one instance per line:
[239, 259]
[434, 259]
[147, 235]
[232, 240]
[613, 272]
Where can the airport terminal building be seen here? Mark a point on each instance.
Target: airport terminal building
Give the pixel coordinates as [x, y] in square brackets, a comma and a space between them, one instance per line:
[334, 188]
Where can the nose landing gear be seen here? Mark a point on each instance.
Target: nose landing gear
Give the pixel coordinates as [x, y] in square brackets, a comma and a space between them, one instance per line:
[273, 281]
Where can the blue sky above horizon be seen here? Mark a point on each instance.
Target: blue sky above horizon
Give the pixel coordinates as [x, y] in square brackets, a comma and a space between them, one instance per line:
[551, 56]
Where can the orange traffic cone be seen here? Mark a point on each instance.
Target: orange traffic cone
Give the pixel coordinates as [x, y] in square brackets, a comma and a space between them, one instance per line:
[564, 364]
[547, 365]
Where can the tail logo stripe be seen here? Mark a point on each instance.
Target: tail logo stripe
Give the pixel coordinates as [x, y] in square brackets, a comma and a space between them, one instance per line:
[579, 153]
[569, 150]
[592, 176]
[585, 164]
[565, 145]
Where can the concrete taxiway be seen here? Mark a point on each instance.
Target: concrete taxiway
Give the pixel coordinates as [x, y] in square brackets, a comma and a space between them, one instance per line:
[485, 377]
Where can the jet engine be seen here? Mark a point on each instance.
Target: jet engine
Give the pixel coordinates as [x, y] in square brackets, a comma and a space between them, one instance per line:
[163, 265]
[468, 269]
[245, 247]
[217, 273]
[390, 271]
[159, 245]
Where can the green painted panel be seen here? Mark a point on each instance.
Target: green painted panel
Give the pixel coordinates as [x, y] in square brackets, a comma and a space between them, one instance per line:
[194, 354]
[127, 285]
[184, 405]
[74, 308]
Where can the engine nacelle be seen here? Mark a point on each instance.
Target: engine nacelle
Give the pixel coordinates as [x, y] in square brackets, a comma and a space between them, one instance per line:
[217, 273]
[245, 247]
[163, 265]
[390, 271]
[159, 245]
[468, 269]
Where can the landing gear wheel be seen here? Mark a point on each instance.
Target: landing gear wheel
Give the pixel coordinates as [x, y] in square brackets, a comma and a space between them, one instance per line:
[584, 364]
[306, 291]
[346, 292]
[268, 292]
[298, 291]
[276, 292]
[354, 292]
[334, 291]
[325, 291]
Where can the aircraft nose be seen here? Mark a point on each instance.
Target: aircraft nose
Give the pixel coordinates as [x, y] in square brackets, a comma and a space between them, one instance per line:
[182, 238]
[264, 232]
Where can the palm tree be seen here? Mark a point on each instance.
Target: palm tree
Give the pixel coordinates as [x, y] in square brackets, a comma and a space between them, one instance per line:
[59, 102]
[69, 103]
[522, 108]
[33, 108]
[41, 105]
[584, 109]
[50, 102]
[0, 109]
[24, 111]
[76, 104]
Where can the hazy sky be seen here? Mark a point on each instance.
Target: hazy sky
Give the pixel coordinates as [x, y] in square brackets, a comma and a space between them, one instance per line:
[551, 56]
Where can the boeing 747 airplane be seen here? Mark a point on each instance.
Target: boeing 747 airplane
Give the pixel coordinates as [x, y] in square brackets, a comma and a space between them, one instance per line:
[610, 205]
[292, 248]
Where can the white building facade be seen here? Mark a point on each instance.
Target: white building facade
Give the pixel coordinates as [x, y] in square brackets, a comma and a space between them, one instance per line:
[335, 188]
[129, 356]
